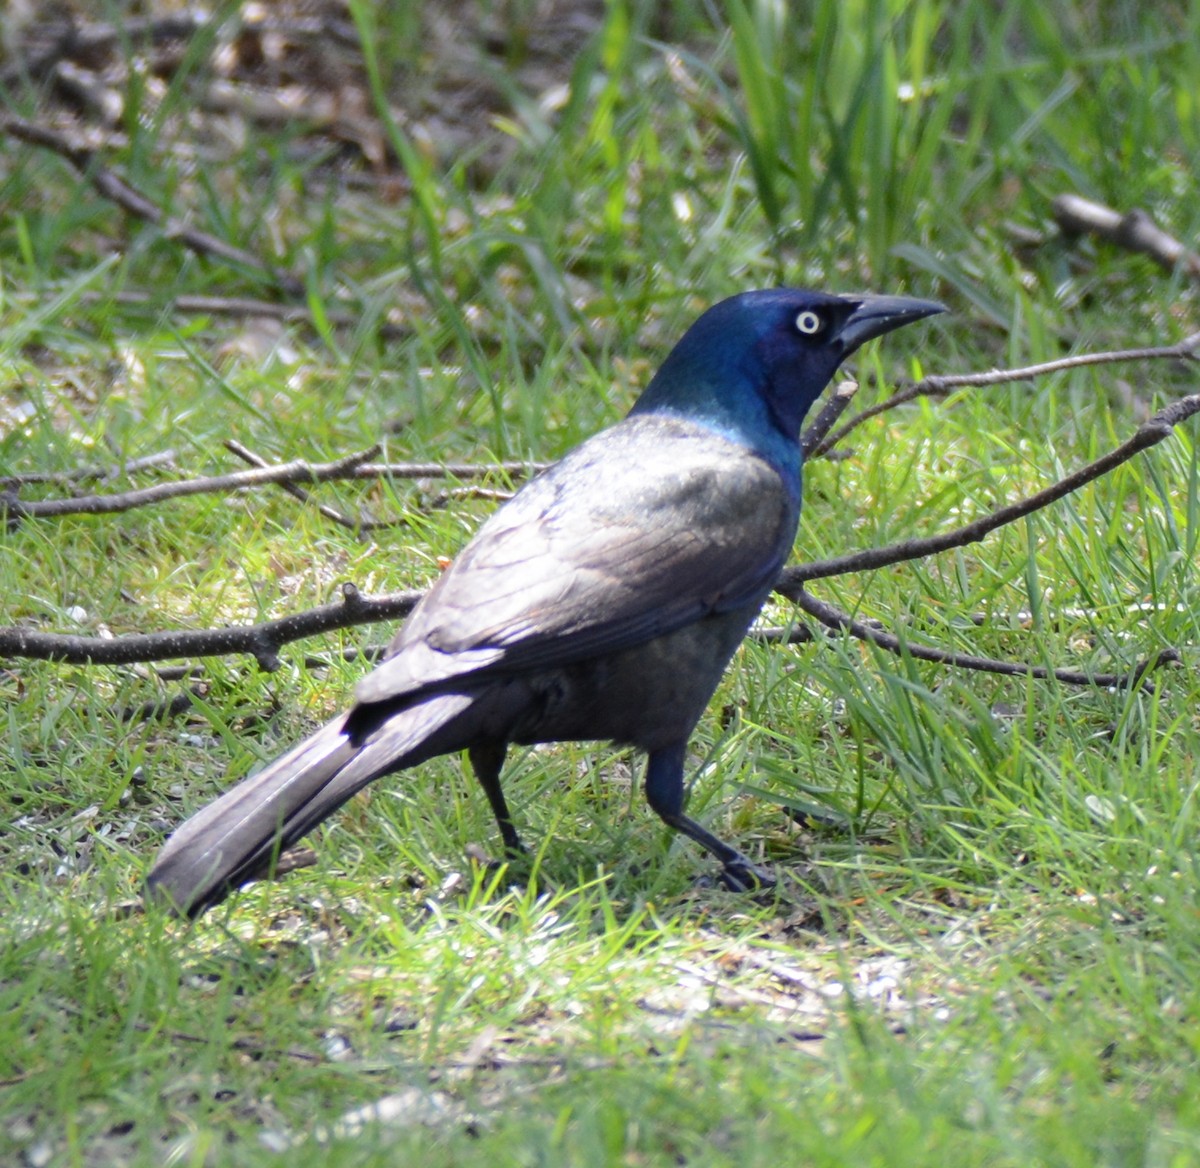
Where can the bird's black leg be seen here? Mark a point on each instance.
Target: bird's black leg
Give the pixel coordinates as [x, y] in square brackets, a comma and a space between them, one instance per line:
[486, 760]
[664, 793]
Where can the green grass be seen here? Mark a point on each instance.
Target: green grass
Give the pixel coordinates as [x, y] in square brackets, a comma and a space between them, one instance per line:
[986, 952]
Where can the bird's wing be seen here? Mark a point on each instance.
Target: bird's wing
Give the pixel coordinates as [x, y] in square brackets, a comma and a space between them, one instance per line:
[646, 527]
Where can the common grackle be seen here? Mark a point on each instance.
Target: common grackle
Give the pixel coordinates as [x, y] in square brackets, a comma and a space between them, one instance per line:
[602, 602]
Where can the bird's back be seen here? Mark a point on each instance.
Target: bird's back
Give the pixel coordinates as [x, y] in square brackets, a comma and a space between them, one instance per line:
[648, 527]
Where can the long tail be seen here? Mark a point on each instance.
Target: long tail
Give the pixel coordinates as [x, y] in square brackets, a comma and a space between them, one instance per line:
[235, 838]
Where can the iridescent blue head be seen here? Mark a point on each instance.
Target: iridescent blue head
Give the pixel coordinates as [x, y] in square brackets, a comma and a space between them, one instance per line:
[752, 365]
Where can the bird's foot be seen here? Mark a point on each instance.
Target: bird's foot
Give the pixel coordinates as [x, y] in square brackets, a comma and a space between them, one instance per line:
[743, 876]
[513, 871]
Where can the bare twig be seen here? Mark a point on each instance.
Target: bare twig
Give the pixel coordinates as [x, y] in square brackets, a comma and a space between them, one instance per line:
[813, 438]
[900, 398]
[352, 467]
[264, 640]
[289, 472]
[87, 88]
[83, 473]
[441, 499]
[114, 188]
[368, 653]
[1149, 433]
[834, 618]
[1135, 231]
[357, 466]
[223, 306]
[488, 494]
[261, 641]
[355, 525]
[1186, 350]
[454, 470]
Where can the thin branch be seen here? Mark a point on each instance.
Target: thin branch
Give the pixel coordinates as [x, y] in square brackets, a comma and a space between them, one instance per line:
[444, 498]
[358, 526]
[911, 393]
[351, 468]
[434, 470]
[1134, 231]
[834, 618]
[261, 641]
[289, 472]
[356, 466]
[83, 473]
[1149, 433]
[222, 306]
[297, 492]
[163, 710]
[813, 438]
[367, 653]
[111, 186]
[1186, 350]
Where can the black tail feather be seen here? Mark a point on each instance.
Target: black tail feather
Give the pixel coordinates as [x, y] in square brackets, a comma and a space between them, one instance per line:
[235, 839]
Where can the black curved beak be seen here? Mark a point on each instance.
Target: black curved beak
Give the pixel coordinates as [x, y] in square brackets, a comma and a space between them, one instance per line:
[876, 315]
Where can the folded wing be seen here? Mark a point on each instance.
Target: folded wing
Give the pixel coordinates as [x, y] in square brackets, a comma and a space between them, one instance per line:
[650, 525]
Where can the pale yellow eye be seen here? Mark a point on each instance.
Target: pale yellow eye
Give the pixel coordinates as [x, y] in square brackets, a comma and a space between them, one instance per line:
[808, 322]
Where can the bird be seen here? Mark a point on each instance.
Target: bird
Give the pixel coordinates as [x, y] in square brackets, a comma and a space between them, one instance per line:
[603, 601]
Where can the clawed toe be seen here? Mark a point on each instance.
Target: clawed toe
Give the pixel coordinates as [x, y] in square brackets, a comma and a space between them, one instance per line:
[742, 876]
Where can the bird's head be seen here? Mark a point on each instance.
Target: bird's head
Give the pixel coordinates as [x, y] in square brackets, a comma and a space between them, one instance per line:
[757, 361]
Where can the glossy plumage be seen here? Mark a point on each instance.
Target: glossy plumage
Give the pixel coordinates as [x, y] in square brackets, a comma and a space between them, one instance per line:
[602, 602]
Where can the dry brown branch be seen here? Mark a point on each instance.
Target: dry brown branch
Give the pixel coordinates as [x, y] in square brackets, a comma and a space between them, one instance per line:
[450, 470]
[332, 513]
[163, 710]
[1149, 433]
[83, 473]
[834, 618]
[1186, 350]
[445, 498]
[261, 641]
[441, 499]
[352, 467]
[14, 509]
[1134, 231]
[814, 437]
[111, 186]
[166, 708]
